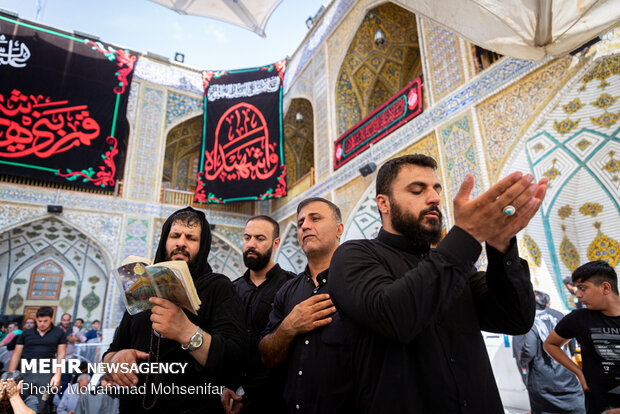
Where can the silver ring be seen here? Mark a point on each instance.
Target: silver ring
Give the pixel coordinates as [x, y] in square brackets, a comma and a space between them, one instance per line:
[509, 210]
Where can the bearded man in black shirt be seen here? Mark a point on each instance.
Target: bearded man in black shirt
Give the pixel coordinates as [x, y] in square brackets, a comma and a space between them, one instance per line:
[211, 343]
[257, 288]
[417, 312]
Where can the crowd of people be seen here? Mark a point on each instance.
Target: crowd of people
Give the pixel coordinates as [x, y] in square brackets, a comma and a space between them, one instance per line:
[391, 324]
[40, 339]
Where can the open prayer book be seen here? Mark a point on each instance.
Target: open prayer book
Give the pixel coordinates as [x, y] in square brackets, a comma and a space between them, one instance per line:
[139, 281]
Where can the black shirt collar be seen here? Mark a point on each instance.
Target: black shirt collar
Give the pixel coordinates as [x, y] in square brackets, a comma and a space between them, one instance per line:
[46, 332]
[401, 242]
[321, 278]
[269, 275]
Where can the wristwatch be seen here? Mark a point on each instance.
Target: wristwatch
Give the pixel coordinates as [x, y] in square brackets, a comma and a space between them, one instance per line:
[194, 342]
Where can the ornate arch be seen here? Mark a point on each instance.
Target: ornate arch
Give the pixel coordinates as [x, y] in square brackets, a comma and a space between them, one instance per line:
[290, 256]
[364, 221]
[371, 71]
[299, 139]
[225, 258]
[182, 154]
[84, 262]
[576, 144]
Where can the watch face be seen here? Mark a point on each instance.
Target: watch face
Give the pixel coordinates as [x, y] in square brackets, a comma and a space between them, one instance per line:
[196, 340]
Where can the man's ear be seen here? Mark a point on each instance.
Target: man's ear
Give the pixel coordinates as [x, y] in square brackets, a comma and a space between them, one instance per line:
[276, 243]
[340, 229]
[606, 288]
[383, 204]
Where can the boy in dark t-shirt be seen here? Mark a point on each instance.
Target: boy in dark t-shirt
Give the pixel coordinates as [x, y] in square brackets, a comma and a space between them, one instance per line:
[597, 329]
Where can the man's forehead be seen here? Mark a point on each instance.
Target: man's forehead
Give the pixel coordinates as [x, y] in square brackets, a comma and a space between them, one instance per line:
[315, 207]
[410, 172]
[183, 226]
[258, 227]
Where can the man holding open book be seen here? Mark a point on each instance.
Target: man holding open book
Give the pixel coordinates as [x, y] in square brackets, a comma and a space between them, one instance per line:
[210, 342]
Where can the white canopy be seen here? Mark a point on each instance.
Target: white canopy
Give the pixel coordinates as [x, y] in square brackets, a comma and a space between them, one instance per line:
[249, 14]
[526, 29]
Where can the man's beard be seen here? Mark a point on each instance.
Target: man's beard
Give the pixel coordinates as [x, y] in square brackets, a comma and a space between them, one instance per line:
[259, 262]
[412, 227]
[191, 261]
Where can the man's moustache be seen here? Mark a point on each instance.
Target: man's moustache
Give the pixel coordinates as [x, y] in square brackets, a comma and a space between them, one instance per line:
[430, 209]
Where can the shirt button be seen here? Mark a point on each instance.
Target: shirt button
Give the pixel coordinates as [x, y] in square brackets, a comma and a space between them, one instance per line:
[508, 262]
[297, 406]
[324, 281]
[307, 342]
[299, 372]
[464, 403]
[452, 360]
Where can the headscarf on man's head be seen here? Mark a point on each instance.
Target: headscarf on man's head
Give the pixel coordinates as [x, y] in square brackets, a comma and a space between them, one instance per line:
[201, 265]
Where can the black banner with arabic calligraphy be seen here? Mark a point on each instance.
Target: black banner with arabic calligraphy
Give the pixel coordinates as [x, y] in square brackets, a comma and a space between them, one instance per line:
[62, 105]
[395, 112]
[242, 155]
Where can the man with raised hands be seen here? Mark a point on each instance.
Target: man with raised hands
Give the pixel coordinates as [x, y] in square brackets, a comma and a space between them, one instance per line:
[416, 312]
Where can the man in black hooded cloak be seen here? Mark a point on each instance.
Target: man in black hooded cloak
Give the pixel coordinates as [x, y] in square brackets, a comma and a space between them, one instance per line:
[212, 343]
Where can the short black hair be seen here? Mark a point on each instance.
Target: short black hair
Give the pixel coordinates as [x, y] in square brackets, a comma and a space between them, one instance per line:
[388, 171]
[276, 226]
[189, 217]
[334, 208]
[79, 319]
[567, 281]
[95, 321]
[597, 272]
[45, 311]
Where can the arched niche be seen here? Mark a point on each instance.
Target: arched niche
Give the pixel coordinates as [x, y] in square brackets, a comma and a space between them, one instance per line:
[377, 66]
[289, 255]
[182, 155]
[364, 221]
[225, 258]
[298, 139]
[82, 262]
[575, 144]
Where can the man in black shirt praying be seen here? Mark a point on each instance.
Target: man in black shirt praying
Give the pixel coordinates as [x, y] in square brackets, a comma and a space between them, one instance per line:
[417, 312]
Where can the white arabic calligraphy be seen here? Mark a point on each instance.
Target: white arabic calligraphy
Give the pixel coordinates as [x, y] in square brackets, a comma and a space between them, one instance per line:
[13, 53]
[245, 89]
